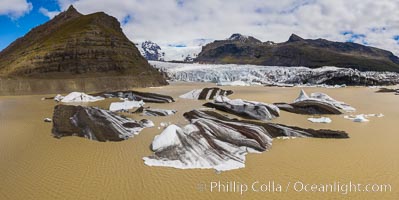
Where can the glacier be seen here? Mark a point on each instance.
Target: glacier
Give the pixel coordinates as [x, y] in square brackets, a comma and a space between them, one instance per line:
[327, 76]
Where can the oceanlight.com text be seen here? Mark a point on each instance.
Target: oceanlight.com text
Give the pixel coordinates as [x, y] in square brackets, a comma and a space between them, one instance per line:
[294, 186]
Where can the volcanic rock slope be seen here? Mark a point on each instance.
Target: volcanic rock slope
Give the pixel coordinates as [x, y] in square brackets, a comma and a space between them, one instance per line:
[74, 45]
[239, 49]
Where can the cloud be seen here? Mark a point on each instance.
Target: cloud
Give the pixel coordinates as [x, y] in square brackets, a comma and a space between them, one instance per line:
[370, 22]
[15, 9]
[49, 14]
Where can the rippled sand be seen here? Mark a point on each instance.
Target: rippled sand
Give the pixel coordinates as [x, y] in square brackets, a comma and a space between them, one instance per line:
[34, 165]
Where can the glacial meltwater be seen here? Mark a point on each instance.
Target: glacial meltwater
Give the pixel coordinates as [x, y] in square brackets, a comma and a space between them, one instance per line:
[35, 165]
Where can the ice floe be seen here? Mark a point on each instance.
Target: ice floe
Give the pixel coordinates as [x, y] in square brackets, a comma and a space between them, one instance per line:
[126, 105]
[362, 117]
[316, 103]
[167, 138]
[95, 124]
[138, 96]
[320, 120]
[244, 108]
[338, 104]
[205, 93]
[75, 97]
[155, 112]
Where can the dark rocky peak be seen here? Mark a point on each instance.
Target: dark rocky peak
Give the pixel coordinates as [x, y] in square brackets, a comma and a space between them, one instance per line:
[71, 9]
[71, 12]
[298, 52]
[237, 36]
[270, 43]
[295, 38]
[243, 38]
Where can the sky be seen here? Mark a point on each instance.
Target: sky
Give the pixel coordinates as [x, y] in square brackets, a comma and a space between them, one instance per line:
[369, 22]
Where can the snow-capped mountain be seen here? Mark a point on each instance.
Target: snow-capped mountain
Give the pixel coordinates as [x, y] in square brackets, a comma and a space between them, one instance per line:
[181, 51]
[243, 38]
[151, 51]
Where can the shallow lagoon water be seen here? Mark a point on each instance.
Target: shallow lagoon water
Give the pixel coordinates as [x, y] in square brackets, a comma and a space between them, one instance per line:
[34, 165]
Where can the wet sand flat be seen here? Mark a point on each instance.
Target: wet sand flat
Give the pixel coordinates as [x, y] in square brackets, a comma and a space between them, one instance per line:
[34, 165]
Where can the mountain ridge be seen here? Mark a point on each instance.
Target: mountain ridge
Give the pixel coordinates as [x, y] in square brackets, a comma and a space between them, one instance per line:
[74, 46]
[297, 51]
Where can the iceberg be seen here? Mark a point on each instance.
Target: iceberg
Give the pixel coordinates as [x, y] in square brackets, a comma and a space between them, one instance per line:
[338, 104]
[126, 105]
[213, 141]
[245, 109]
[138, 96]
[155, 112]
[205, 93]
[362, 117]
[316, 103]
[95, 124]
[77, 97]
[320, 120]
[167, 138]
[357, 118]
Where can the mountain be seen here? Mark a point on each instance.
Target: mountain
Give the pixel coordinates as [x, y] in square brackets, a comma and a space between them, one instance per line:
[236, 37]
[151, 51]
[239, 49]
[185, 51]
[73, 46]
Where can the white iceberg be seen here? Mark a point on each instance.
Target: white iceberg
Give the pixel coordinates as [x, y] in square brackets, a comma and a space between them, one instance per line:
[338, 104]
[244, 108]
[75, 97]
[302, 96]
[158, 112]
[320, 120]
[362, 117]
[285, 137]
[167, 138]
[196, 151]
[58, 98]
[193, 94]
[375, 115]
[205, 93]
[213, 141]
[164, 124]
[318, 96]
[147, 123]
[126, 105]
[358, 118]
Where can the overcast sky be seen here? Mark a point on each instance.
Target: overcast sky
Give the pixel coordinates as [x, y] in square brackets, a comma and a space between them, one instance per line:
[371, 22]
